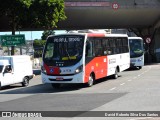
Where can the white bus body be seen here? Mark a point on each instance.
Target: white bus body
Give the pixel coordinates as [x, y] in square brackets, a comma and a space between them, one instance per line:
[84, 57]
[136, 52]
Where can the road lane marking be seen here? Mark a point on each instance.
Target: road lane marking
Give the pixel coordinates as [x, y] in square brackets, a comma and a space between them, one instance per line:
[113, 88]
[139, 75]
[129, 80]
[122, 83]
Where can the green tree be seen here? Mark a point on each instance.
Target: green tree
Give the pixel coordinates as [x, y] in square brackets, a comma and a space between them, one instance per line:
[41, 14]
[14, 10]
[47, 13]
[46, 33]
[39, 43]
[38, 47]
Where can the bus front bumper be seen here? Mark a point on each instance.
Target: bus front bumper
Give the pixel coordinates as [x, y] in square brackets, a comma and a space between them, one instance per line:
[76, 78]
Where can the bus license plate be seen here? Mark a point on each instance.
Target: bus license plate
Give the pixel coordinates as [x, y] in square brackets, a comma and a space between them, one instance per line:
[59, 78]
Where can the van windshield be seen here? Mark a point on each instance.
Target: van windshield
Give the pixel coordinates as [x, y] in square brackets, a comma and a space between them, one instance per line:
[1, 68]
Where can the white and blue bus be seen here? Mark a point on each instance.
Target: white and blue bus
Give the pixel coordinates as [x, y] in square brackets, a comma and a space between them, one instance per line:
[136, 52]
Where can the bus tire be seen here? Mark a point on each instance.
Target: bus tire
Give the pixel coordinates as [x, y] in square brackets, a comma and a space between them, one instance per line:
[90, 81]
[56, 85]
[115, 76]
[140, 67]
[25, 82]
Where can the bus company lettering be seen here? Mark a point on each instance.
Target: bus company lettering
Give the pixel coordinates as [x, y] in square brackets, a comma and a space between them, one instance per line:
[67, 39]
[111, 61]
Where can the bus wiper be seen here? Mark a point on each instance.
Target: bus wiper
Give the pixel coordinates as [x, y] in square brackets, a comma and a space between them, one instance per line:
[68, 54]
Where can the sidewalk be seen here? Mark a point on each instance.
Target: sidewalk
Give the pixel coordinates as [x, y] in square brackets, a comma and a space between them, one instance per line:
[152, 64]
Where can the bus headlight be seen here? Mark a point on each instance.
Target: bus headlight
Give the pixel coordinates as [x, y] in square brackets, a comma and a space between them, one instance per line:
[79, 69]
[139, 60]
[43, 70]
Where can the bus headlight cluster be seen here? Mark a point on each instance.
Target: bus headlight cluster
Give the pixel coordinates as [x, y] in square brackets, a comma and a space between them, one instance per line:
[79, 69]
[139, 60]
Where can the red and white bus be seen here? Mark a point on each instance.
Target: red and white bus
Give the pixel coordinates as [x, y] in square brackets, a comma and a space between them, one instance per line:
[84, 57]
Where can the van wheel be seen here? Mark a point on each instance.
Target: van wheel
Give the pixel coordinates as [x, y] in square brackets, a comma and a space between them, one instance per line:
[56, 85]
[25, 82]
[90, 81]
[115, 76]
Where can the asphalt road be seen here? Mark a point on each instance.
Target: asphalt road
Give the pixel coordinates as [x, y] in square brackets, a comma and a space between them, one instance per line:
[134, 90]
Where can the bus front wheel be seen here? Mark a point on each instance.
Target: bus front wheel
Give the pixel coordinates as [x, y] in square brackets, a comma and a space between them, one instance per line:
[140, 67]
[115, 76]
[90, 81]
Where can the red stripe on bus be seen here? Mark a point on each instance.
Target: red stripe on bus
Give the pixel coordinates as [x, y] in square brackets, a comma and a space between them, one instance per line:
[96, 35]
[52, 70]
[98, 66]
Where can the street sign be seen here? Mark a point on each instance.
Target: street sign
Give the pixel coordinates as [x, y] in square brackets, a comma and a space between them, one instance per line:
[115, 6]
[12, 40]
[148, 40]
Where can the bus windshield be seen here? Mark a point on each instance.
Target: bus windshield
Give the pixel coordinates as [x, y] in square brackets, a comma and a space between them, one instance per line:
[136, 47]
[64, 50]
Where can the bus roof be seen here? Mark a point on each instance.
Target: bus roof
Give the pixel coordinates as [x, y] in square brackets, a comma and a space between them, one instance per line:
[94, 34]
[135, 38]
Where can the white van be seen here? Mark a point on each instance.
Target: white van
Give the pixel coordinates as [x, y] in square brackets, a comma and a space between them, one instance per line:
[15, 69]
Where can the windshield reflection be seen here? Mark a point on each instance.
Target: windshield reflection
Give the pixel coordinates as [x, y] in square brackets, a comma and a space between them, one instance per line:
[63, 49]
[136, 48]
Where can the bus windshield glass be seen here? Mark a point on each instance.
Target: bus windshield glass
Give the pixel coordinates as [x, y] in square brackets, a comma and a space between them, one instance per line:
[136, 47]
[63, 50]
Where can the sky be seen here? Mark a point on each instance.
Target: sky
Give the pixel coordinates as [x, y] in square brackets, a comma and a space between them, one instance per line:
[32, 35]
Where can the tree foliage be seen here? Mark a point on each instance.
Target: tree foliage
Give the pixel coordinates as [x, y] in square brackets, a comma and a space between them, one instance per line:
[43, 14]
[47, 13]
[46, 33]
[15, 11]
[39, 43]
[38, 47]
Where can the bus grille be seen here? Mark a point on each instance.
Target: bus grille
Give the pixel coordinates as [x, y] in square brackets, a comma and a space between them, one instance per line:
[60, 80]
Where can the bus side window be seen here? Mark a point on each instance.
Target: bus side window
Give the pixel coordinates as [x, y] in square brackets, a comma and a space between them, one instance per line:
[89, 49]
